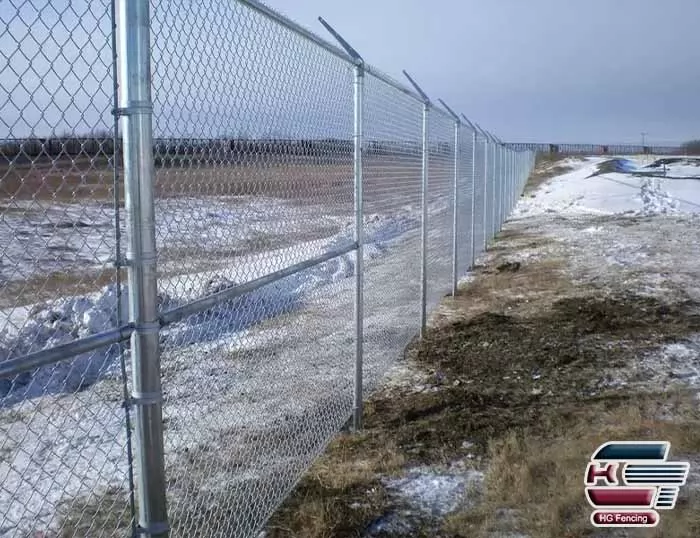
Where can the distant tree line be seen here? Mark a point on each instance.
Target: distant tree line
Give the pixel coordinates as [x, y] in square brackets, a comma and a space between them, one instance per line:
[69, 145]
[104, 144]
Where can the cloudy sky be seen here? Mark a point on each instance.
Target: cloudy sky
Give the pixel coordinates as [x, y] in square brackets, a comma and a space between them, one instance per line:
[599, 71]
[589, 71]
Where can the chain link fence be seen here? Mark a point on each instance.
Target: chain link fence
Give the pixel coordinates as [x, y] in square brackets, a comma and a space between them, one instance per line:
[218, 233]
[64, 434]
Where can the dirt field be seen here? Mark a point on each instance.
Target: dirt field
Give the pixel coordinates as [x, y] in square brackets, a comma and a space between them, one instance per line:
[486, 428]
[85, 178]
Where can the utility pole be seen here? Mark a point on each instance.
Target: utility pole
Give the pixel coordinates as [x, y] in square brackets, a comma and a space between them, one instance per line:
[644, 146]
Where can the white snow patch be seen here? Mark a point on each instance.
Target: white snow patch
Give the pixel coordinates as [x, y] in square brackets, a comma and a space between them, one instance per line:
[581, 192]
[428, 493]
[289, 371]
[675, 363]
[431, 492]
[50, 324]
[60, 237]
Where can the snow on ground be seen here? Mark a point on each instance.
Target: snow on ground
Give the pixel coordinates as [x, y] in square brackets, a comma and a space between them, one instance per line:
[280, 360]
[618, 230]
[585, 191]
[630, 232]
[50, 324]
[427, 492]
[674, 167]
[41, 237]
[276, 354]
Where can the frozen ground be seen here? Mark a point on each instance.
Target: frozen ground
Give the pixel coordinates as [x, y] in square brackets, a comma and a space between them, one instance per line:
[264, 381]
[41, 237]
[618, 231]
[634, 233]
[586, 191]
[278, 361]
[427, 492]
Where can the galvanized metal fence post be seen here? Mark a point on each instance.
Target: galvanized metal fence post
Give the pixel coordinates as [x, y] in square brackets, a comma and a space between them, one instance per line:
[455, 199]
[135, 110]
[424, 205]
[509, 182]
[472, 246]
[424, 225]
[516, 190]
[455, 213]
[499, 187]
[494, 173]
[494, 179]
[516, 177]
[473, 218]
[511, 176]
[511, 186]
[502, 193]
[359, 253]
[358, 141]
[486, 182]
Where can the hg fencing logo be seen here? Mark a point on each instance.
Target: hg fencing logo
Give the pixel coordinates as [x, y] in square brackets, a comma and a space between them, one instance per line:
[649, 483]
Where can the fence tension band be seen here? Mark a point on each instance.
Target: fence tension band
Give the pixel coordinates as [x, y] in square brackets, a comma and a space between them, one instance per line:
[143, 398]
[133, 109]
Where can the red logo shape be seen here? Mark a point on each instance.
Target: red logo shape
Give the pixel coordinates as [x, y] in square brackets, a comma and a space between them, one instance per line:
[604, 496]
[596, 471]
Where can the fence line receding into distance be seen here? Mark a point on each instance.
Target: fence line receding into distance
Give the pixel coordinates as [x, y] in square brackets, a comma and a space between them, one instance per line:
[219, 231]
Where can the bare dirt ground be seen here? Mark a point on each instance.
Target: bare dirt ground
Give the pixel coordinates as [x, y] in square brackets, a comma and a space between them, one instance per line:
[572, 331]
[309, 179]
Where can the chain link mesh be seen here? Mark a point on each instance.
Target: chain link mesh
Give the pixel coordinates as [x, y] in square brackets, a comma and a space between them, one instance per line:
[465, 201]
[254, 174]
[497, 186]
[254, 201]
[490, 206]
[392, 189]
[440, 202]
[480, 200]
[63, 444]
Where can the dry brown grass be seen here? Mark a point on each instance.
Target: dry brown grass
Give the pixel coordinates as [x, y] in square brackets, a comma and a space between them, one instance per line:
[321, 180]
[547, 167]
[341, 492]
[50, 286]
[318, 182]
[514, 365]
[540, 477]
[510, 287]
[105, 514]
[61, 180]
[82, 179]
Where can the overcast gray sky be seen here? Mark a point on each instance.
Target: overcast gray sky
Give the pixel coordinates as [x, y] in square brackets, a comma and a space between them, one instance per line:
[599, 71]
